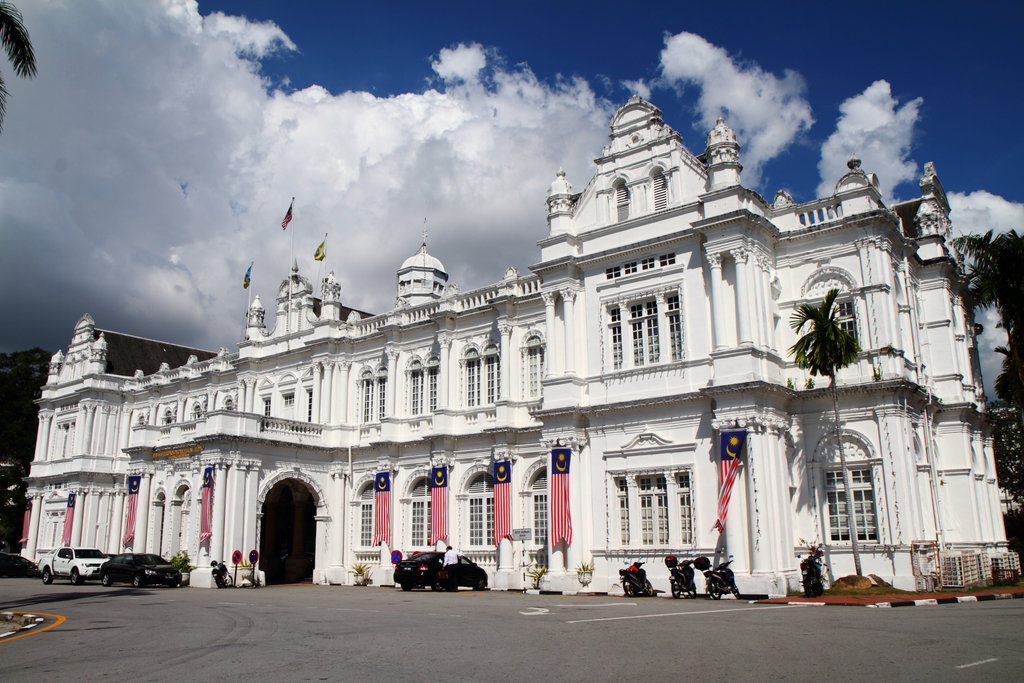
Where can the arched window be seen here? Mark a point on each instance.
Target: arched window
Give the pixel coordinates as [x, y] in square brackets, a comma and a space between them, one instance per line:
[366, 385]
[382, 386]
[197, 411]
[416, 388]
[660, 189]
[539, 497]
[420, 514]
[229, 404]
[621, 202]
[366, 516]
[492, 373]
[472, 359]
[534, 366]
[481, 510]
[433, 371]
[168, 417]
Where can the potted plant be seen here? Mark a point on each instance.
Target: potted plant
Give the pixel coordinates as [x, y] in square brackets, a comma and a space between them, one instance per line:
[585, 573]
[182, 563]
[362, 572]
[535, 574]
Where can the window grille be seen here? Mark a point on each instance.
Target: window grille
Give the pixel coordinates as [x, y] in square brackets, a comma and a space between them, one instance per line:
[289, 401]
[862, 488]
[616, 329]
[309, 406]
[366, 517]
[675, 327]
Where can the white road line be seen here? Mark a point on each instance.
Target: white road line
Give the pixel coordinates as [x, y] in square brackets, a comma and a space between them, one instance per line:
[679, 614]
[603, 604]
[984, 661]
[236, 604]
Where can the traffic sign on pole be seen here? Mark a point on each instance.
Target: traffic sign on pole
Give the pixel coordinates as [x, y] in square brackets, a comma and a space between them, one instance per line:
[396, 556]
[236, 556]
[253, 557]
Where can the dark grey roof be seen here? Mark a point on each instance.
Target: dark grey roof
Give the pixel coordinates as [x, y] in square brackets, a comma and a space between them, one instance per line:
[126, 354]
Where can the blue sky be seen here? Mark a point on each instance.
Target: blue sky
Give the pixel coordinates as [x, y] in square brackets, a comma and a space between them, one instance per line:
[153, 158]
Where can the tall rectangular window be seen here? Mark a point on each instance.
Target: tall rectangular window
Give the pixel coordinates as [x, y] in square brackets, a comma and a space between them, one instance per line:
[432, 387]
[847, 318]
[266, 407]
[644, 326]
[491, 367]
[366, 525]
[653, 343]
[368, 400]
[382, 384]
[419, 522]
[653, 511]
[623, 498]
[540, 518]
[675, 327]
[616, 330]
[660, 192]
[862, 489]
[481, 521]
[473, 382]
[309, 406]
[622, 202]
[685, 509]
[416, 391]
[636, 313]
[534, 367]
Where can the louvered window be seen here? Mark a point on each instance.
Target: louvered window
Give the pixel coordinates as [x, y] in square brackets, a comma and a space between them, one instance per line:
[420, 514]
[481, 510]
[622, 202]
[660, 192]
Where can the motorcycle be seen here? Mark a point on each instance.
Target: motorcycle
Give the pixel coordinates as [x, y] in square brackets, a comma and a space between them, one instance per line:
[681, 577]
[634, 581]
[220, 575]
[811, 572]
[718, 581]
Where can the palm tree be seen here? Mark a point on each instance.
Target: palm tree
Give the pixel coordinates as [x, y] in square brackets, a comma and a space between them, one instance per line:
[14, 39]
[825, 349]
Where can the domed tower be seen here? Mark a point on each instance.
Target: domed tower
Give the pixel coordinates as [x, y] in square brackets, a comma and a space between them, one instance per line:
[421, 278]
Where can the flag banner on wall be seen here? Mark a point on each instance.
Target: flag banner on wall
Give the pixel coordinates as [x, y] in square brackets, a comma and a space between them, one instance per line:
[206, 521]
[502, 501]
[133, 504]
[561, 524]
[382, 509]
[729, 463]
[438, 504]
[69, 520]
[26, 524]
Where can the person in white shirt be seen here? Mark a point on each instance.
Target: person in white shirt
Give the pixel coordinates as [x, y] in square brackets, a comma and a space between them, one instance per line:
[451, 565]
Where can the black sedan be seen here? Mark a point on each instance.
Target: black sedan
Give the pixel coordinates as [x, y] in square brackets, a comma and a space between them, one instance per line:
[139, 569]
[16, 565]
[421, 570]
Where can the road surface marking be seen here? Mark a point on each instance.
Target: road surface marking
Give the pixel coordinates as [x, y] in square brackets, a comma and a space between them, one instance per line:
[537, 610]
[678, 614]
[59, 620]
[984, 661]
[603, 604]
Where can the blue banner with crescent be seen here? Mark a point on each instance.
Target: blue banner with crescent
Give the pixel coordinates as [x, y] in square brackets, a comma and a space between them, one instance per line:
[732, 444]
[133, 485]
[71, 500]
[383, 481]
[207, 477]
[560, 460]
[438, 477]
[502, 472]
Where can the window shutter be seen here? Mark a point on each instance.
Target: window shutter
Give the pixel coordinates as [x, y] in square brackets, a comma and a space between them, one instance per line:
[660, 192]
[483, 483]
[622, 202]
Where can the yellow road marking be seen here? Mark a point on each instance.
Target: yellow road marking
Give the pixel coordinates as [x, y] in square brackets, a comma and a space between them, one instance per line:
[59, 620]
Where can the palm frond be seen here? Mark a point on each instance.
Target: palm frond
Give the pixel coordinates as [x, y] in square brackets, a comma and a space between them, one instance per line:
[14, 39]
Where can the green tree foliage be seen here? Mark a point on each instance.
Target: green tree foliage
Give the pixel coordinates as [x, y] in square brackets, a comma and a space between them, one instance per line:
[825, 349]
[22, 375]
[14, 39]
[1008, 444]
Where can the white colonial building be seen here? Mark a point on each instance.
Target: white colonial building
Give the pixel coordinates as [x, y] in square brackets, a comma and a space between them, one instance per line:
[657, 316]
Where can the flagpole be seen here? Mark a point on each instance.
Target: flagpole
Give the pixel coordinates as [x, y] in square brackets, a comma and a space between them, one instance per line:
[291, 260]
[248, 304]
[323, 266]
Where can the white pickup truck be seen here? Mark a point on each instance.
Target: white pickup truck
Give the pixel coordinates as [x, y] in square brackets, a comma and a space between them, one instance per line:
[76, 564]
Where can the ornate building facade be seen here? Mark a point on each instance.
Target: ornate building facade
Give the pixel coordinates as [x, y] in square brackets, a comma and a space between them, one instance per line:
[656, 318]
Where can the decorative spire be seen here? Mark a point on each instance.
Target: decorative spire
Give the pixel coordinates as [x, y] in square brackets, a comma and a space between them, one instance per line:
[854, 163]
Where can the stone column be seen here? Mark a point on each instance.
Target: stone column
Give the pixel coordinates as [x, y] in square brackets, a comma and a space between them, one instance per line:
[327, 395]
[99, 440]
[116, 520]
[143, 505]
[574, 553]
[762, 539]
[549, 332]
[219, 506]
[742, 296]
[505, 362]
[249, 507]
[126, 431]
[76, 523]
[316, 392]
[764, 272]
[41, 431]
[717, 314]
[48, 438]
[236, 499]
[243, 396]
[90, 421]
[79, 430]
[91, 518]
[320, 557]
[569, 308]
[389, 399]
[336, 541]
[341, 374]
[443, 365]
[33, 528]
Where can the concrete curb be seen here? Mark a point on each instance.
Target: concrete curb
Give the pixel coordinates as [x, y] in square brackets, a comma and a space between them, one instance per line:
[987, 597]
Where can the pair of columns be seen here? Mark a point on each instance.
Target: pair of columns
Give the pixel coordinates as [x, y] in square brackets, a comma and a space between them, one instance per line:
[568, 297]
[753, 288]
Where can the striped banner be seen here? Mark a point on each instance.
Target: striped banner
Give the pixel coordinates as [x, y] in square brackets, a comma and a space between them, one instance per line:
[382, 509]
[133, 503]
[438, 504]
[69, 521]
[729, 464]
[561, 523]
[502, 501]
[27, 524]
[206, 522]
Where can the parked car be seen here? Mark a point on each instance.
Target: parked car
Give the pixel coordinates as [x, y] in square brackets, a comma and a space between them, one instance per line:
[139, 569]
[76, 564]
[421, 570]
[16, 565]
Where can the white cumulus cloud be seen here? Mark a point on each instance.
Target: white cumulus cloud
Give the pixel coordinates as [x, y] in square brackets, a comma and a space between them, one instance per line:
[873, 126]
[460, 63]
[766, 111]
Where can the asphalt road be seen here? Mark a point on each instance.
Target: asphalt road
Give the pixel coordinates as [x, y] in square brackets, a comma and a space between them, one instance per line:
[314, 633]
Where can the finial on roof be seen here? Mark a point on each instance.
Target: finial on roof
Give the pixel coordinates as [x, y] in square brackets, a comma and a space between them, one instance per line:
[424, 233]
[854, 163]
[561, 173]
[295, 265]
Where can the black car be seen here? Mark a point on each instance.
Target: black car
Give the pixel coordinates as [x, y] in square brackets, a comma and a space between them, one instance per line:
[139, 569]
[16, 565]
[421, 570]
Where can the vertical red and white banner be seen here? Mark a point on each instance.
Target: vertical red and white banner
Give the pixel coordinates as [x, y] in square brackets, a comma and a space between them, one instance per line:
[502, 501]
[27, 524]
[561, 523]
[729, 464]
[69, 520]
[438, 504]
[382, 509]
[206, 521]
[133, 505]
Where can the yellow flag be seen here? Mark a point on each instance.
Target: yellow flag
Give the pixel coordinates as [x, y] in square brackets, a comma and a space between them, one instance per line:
[321, 252]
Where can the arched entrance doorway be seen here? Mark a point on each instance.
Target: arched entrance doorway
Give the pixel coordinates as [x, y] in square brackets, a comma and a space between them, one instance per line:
[288, 533]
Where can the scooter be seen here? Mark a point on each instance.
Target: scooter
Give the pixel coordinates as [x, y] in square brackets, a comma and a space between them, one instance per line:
[634, 581]
[811, 572]
[681, 577]
[718, 581]
[220, 575]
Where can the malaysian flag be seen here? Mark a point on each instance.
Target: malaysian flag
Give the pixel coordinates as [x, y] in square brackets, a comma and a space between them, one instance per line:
[27, 523]
[438, 504]
[133, 504]
[288, 216]
[561, 524]
[206, 523]
[502, 501]
[729, 463]
[69, 520]
[382, 509]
